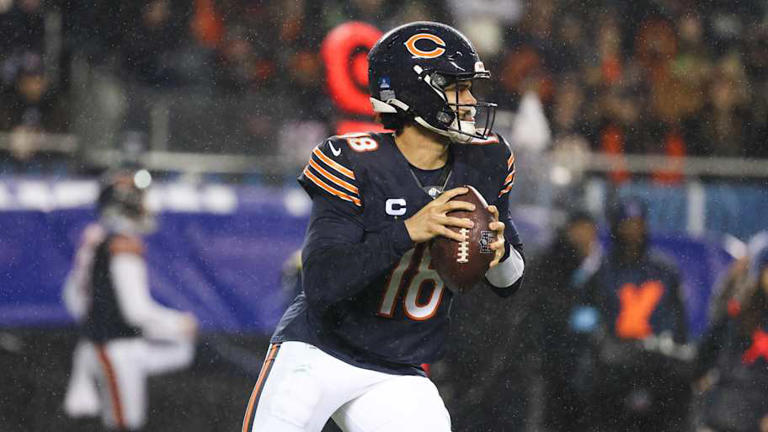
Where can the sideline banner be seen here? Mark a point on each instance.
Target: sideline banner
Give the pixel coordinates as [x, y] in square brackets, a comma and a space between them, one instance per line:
[219, 253]
[223, 266]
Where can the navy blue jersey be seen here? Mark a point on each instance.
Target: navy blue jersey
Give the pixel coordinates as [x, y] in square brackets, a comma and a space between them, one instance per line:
[370, 296]
[639, 299]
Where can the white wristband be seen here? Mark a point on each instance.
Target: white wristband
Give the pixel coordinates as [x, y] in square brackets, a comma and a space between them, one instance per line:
[508, 271]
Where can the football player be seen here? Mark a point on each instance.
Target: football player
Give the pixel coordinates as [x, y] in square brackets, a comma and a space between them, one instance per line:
[126, 335]
[372, 307]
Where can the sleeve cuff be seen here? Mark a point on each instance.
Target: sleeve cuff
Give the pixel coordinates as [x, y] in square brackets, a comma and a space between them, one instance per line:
[508, 271]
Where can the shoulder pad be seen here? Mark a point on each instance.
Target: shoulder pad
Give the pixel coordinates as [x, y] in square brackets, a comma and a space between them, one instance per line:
[495, 145]
[330, 171]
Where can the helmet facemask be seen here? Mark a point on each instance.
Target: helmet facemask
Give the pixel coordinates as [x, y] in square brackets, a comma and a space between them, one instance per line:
[450, 122]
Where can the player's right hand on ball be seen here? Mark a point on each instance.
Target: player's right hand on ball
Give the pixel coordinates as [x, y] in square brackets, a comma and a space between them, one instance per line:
[432, 220]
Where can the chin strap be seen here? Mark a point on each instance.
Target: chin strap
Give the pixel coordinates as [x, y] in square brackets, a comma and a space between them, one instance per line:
[454, 135]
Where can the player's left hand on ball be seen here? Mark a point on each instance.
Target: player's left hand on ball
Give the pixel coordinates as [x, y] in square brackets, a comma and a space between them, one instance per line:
[498, 227]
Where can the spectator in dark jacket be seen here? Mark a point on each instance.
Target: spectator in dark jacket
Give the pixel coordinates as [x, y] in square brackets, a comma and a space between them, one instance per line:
[559, 275]
[641, 367]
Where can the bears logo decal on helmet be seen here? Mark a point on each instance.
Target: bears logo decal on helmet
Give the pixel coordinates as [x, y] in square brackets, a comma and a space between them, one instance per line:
[435, 52]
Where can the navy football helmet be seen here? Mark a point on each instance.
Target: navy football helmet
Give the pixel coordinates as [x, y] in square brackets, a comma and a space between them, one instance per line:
[409, 69]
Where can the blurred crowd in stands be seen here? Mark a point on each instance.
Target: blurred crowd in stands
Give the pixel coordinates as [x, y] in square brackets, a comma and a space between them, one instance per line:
[674, 77]
[600, 339]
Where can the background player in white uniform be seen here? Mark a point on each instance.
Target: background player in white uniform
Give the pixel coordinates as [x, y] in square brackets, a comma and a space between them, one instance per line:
[372, 309]
[126, 335]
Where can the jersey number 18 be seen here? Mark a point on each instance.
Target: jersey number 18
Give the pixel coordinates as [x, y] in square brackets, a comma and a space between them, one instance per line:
[413, 273]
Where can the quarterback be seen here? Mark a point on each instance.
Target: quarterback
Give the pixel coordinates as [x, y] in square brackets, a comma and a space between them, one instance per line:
[372, 308]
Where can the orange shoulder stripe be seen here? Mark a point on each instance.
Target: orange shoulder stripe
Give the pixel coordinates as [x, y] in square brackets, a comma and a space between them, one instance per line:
[511, 161]
[330, 189]
[505, 190]
[333, 164]
[333, 178]
[510, 177]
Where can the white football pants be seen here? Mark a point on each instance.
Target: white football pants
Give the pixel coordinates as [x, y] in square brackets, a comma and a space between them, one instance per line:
[300, 387]
[111, 379]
